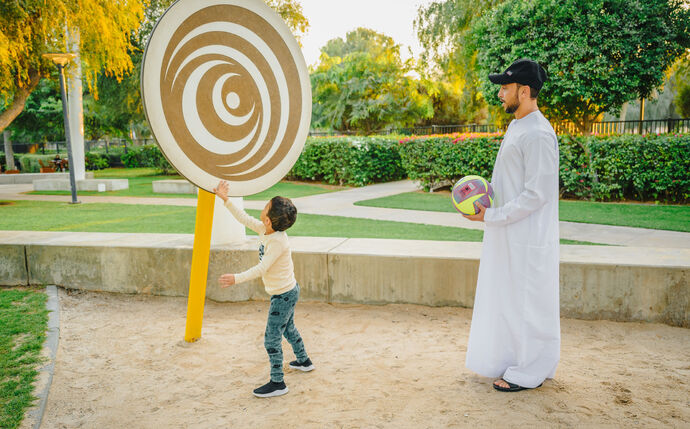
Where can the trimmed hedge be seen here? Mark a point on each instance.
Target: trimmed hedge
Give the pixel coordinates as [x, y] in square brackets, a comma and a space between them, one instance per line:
[606, 168]
[441, 160]
[355, 161]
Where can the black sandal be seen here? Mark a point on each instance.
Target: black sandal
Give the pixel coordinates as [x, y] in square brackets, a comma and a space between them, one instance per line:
[512, 387]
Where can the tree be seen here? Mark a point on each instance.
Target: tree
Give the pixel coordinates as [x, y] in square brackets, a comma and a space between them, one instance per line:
[42, 118]
[31, 28]
[682, 76]
[363, 86]
[118, 107]
[293, 15]
[443, 29]
[598, 53]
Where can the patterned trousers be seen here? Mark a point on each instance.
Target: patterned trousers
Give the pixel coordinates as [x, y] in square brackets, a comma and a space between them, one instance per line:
[281, 323]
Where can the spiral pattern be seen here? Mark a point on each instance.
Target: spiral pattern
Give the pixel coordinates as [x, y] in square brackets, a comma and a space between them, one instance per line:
[231, 92]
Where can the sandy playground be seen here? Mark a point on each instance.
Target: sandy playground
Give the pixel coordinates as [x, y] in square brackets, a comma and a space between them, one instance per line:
[122, 363]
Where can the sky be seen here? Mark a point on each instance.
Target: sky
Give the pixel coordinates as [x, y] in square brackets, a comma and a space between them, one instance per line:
[329, 19]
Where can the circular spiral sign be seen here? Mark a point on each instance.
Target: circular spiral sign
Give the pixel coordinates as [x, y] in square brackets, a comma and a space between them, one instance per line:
[227, 93]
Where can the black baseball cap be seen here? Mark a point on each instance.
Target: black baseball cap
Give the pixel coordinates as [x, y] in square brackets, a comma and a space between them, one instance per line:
[524, 72]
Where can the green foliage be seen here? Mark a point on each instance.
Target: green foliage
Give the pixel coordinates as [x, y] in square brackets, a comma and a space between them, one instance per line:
[443, 29]
[23, 321]
[598, 53]
[3, 162]
[293, 15]
[42, 118]
[147, 156]
[651, 167]
[30, 28]
[28, 163]
[643, 168]
[96, 161]
[363, 86]
[354, 161]
[682, 75]
[437, 161]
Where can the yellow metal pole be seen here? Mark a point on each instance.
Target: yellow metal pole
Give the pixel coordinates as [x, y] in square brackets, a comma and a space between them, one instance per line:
[199, 274]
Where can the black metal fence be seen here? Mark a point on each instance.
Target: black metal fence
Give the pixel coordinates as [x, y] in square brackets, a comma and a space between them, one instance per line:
[651, 126]
[114, 145]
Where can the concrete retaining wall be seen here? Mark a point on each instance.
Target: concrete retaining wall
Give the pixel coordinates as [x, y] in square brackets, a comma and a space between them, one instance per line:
[597, 282]
[173, 187]
[82, 185]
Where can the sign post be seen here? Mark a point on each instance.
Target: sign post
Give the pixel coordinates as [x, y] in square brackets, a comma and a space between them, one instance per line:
[199, 274]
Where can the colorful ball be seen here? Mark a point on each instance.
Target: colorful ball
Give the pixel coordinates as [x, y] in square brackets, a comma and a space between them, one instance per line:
[469, 190]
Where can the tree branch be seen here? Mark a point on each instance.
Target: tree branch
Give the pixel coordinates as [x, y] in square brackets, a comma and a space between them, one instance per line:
[19, 100]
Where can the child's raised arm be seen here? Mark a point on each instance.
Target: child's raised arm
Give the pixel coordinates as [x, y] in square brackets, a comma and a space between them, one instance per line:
[252, 223]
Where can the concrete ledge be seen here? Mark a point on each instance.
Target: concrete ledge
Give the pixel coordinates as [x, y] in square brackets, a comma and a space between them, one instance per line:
[26, 178]
[13, 270]
[173, 187]
[596, 282]
[82, 185]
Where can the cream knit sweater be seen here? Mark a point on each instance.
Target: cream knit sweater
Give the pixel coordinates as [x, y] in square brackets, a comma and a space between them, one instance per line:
[276, 268]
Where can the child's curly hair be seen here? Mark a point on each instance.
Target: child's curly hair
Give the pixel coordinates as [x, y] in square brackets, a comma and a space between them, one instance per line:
[282, 213]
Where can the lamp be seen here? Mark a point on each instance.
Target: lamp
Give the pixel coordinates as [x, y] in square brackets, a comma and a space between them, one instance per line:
[61, 60]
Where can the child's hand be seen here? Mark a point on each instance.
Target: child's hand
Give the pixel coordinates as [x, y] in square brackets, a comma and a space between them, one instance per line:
[226, 280]
[222, 190]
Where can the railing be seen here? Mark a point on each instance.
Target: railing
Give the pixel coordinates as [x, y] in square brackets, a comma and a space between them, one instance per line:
[650, 126]
[117, 144]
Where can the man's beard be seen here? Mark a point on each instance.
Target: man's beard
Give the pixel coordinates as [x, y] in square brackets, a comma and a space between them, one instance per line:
[512, 107]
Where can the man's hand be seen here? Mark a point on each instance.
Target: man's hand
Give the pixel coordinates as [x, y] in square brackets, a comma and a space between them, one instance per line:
[479, 217]
[222, 191]
[226, 280]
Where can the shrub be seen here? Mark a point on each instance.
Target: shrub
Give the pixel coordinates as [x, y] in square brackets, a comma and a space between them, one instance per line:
[605, 168]
[441, 160]
[3, 162]
[354, 161]
[146, 156]
[29, 162]
[643, 168]
[95, 161]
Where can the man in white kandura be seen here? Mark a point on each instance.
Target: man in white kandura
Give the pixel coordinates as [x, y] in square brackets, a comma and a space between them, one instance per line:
[515, 332]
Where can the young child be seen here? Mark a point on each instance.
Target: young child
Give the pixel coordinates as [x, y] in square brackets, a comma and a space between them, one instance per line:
[277, 272]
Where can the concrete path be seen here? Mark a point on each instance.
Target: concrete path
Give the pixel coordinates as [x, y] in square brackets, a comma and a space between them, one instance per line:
[341, 203]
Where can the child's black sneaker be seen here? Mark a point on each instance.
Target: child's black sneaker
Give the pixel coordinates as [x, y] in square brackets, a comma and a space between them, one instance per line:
[304, 366]
[271, 389]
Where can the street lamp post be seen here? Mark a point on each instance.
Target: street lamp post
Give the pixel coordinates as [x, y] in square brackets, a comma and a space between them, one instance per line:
[61, 59]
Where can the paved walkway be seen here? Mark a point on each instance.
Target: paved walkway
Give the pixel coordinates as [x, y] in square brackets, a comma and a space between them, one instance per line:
[341, 203]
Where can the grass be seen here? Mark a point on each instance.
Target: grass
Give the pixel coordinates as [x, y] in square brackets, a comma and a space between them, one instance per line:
[52, 216]
[140, 186]
[662, 217]
[23, 321]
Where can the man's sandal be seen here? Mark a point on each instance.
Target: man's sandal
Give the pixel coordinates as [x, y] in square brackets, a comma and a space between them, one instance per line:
[512, 387]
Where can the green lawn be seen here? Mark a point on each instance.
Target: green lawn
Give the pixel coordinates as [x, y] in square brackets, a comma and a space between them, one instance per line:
[52, 216]
[664, 217]
[140, 186]
[23, 322]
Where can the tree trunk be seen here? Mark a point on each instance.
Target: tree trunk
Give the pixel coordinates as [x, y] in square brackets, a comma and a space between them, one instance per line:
[19, 100]
[9, 155]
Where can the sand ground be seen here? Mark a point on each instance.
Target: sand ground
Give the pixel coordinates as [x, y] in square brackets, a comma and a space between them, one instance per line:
[122, 363]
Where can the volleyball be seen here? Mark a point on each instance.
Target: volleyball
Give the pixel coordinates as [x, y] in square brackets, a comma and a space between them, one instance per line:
[469, 190]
